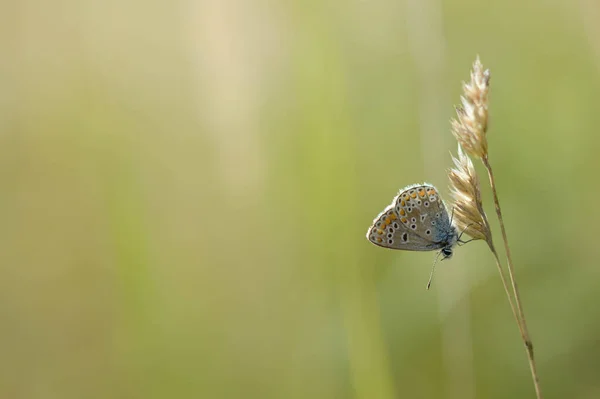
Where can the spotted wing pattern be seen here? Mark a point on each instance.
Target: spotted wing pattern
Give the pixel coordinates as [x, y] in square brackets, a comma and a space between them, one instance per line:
[416, 220]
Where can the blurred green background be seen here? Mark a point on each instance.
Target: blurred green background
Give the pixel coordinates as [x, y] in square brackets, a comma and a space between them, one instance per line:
[185, 188]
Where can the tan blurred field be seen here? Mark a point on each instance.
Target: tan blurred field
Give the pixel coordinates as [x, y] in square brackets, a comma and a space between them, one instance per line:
[185, 188]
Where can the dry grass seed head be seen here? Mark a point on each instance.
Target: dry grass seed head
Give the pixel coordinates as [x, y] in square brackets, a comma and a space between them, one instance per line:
[468, 208]
[470, 127]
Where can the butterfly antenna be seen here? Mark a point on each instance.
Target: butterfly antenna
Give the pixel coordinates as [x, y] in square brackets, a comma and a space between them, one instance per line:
[432, 269]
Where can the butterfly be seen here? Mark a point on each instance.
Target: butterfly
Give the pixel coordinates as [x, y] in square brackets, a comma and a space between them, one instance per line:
[416, 220]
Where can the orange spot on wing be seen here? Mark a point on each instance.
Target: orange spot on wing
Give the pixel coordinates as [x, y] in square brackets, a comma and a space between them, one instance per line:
[402, 212]
[379, 239]
[421, 193]
[402, 203]
[403, 220]
[393, 217]
[414, 195]
[387, 220]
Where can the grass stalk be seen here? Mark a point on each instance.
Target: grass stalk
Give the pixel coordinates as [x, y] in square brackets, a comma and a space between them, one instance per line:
[511, 273]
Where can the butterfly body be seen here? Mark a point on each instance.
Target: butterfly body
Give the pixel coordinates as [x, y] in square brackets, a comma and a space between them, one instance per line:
[416, 220]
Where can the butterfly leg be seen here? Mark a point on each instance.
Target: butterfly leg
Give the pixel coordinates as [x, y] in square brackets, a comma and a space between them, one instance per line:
[463, 232]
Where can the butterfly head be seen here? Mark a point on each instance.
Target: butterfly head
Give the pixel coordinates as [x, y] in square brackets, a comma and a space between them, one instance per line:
[447, 252]
[449, 242]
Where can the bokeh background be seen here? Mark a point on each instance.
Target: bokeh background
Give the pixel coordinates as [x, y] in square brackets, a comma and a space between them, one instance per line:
[185, 187]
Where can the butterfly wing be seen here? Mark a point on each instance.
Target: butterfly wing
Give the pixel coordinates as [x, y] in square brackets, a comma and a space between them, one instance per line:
[416, 220]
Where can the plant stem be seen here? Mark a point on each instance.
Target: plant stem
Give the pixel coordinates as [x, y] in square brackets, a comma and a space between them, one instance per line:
[506, 289]
[511, 273]
[490, 243]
